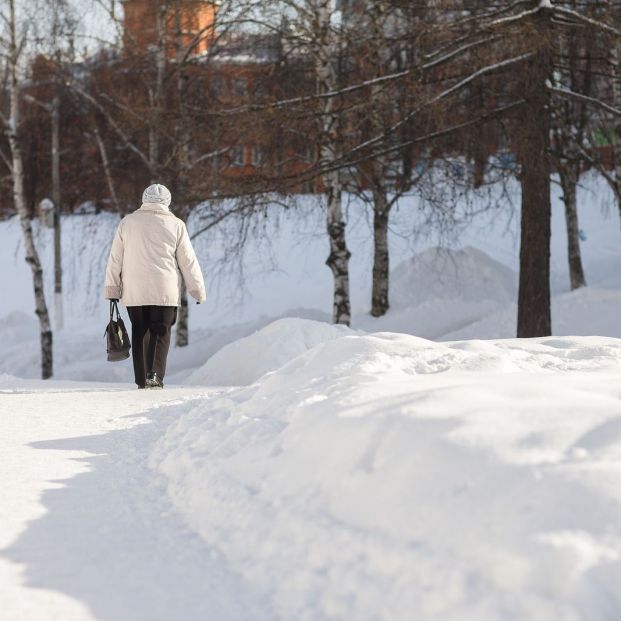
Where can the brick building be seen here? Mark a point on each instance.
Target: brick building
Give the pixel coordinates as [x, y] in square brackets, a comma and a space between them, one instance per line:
[188, 24]
[230, 70]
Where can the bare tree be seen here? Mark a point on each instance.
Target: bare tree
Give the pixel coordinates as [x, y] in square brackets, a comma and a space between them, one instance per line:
[158, 98]
[534, 317]
[14, 43]
[570, 126]
[325, 46]
[382, 40]
[61, 31]
[315, 31]
[604, 121]
[372, 99]
[519, 43]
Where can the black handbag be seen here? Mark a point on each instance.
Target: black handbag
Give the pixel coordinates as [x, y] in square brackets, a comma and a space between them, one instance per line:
[117, 340]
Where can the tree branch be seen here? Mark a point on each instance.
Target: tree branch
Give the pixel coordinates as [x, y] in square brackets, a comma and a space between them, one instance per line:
[584, 98]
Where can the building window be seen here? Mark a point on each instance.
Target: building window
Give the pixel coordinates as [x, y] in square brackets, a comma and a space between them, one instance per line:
[260, 87]
[236, 157]
[259, 156]
[240, 87]
[216, 86]
[308, 153]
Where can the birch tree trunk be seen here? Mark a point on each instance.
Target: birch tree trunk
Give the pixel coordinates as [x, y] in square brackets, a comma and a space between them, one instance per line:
[569, 183]
[338, 259]
[326, 53]
[32, 257]
[381, 258]
[534, 315]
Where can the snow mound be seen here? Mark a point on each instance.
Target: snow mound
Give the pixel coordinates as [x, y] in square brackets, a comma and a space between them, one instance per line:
[387, 478]
[9, 382]
[17, 326]
[244, 361]
[586, 311]
[469, 275]
[440, 291]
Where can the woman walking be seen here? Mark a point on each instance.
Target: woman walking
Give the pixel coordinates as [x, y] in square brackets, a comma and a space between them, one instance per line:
[150, 254]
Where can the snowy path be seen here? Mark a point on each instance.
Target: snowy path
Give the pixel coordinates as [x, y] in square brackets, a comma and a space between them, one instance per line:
[87, 531]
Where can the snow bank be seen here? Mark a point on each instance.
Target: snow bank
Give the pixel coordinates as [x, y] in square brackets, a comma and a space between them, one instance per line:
[80, 355]
[9, 382]
[586, 311]
[386, 477]
[437, 294]
[285, 268]
[244, 361]
[440, 273]
[16, 327]
[441, 290]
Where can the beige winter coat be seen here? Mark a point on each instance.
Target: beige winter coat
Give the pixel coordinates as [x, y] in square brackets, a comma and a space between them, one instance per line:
[150, 248]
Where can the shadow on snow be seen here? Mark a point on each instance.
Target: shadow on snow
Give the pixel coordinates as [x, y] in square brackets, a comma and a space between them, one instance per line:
[111, 539]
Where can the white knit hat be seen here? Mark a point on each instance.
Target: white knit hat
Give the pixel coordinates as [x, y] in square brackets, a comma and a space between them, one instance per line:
[158, 194]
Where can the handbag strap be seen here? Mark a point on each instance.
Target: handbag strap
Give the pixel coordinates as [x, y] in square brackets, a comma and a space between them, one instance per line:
[114, 307]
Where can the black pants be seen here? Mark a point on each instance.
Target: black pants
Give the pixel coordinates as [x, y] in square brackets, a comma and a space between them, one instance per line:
[150, 339]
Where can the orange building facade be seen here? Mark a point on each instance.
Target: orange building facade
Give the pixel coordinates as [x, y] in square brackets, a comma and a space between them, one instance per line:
[188, 24]
[232, 76]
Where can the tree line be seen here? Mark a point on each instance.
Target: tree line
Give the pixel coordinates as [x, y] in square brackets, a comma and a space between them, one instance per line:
[379, 98]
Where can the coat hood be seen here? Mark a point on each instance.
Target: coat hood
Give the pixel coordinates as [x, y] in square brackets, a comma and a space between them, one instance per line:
[155, 207]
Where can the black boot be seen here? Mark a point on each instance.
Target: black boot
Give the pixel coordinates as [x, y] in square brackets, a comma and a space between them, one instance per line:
[154, 380]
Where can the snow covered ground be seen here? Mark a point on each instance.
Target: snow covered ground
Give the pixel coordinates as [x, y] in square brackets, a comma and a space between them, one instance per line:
[369, 478]
[297, 471]
[86, 532]
[465, 290]
[387, 477]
